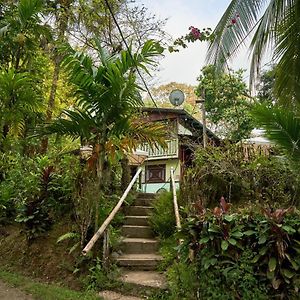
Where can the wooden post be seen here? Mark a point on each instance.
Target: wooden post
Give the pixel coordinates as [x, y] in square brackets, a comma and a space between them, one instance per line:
[105, 248]
[176, 210]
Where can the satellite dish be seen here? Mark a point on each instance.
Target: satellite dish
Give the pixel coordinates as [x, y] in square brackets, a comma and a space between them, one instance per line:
[176, 97]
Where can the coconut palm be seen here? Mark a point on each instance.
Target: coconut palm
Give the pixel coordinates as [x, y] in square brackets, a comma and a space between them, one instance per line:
[275, 25]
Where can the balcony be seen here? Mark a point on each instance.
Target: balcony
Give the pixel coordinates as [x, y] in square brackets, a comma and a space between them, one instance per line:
[158, 152]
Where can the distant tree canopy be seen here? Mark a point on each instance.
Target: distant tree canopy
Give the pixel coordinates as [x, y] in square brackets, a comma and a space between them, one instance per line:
[161, 93]
[265, 87]
[227, 102]
[32, 32]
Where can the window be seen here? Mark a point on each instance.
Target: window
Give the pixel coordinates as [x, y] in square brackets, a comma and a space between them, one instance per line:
[156, 173]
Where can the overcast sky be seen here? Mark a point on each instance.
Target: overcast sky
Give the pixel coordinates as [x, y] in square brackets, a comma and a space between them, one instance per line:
[185, 66]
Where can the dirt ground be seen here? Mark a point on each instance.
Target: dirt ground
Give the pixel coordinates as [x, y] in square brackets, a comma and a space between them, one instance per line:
[10, 293]
[43, 259]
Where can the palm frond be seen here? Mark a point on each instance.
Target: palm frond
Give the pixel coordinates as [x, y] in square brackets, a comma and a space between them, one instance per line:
[228, 37]
[282, 126]
[267, 32]
[28, 9]
[75, 124]
[79, 67]
[287, 51]
[107, 94]
[137, 131]
[16, 93]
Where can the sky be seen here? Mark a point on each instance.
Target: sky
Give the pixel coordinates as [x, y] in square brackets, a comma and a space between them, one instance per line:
[185, 66]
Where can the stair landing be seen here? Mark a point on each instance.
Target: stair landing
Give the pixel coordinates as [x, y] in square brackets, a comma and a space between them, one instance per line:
[145, 278]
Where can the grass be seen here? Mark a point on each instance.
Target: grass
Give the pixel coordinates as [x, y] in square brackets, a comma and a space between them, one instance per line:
[42, 290]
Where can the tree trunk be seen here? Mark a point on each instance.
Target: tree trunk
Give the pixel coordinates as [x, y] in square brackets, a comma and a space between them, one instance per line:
[62, 20]
[125, 180]
[100, 177]
[5, 130]
[51, 101]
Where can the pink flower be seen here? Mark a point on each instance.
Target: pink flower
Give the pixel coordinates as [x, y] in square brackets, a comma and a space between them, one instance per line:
[195, 32]
[233, 21]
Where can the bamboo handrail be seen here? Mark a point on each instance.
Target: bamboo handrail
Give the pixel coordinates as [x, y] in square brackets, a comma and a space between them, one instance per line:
[103, 227]
[176, 210]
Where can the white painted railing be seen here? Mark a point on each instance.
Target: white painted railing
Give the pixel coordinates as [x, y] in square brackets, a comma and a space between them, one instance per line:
[103, 229]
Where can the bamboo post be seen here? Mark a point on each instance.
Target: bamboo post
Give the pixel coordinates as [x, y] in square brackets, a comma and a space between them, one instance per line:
[105, 248]
[101, 230]
[176, 210]
[204, 119]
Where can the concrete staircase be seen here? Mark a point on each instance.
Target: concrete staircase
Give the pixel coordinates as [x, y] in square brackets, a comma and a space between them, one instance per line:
[139, 247]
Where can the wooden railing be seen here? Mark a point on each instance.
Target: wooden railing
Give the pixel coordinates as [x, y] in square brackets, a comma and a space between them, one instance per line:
[171, 150]
[176, 210]
[103, 229]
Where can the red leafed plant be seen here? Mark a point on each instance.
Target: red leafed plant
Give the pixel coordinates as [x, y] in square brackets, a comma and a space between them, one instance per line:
[223, 209]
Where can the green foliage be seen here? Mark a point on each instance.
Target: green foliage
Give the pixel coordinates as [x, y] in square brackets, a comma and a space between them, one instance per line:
[45, 291]
[183, 281]
[73, 236]
[42, 195]
[21, 33]
[163, 218]
[168, 250]
[277, 23]
[248, 254]
[34, 214]
[240, 174]
[114, 81]
[101, 278]
[226, 102]
[265, 87]
[282, 126]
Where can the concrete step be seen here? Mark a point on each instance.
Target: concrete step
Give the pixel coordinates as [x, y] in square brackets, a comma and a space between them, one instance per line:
[135, 231]
[139, 261]
[139, 246]
[143, 202]
[146, 195]
[137, 220]
[138, 210]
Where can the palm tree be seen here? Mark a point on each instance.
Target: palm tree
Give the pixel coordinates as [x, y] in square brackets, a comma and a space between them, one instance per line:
[275, 25]
[108, 95]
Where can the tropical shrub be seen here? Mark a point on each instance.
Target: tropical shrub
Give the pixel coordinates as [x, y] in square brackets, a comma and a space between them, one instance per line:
[240, 174]
[246, 254]
[163, 218]
[36, 191]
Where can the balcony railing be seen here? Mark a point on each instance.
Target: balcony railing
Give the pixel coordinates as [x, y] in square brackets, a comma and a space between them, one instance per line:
[171, 151]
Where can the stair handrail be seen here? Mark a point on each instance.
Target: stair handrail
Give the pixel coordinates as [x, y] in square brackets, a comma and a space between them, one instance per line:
[103, 227]
[175, 203]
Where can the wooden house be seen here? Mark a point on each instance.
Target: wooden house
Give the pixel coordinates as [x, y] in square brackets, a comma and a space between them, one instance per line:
[185, 132]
